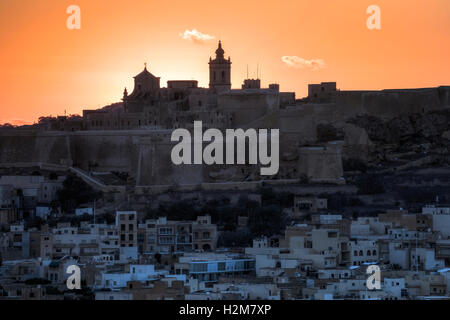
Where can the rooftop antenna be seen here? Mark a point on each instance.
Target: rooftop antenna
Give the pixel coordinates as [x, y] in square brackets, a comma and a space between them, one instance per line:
[260, 74]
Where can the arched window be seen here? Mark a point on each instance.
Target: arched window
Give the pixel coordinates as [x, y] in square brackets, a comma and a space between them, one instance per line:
[374, 253]
[361, 253]
[368, 252]
[355, 253]
[223, 75]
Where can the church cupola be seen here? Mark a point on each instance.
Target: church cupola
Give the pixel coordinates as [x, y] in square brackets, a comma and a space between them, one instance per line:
[145, 82]
[146, 90]
[220, 71]
[219, 52]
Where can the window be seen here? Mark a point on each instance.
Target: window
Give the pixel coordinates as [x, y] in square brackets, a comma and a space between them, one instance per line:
[165, 230]
[166, 240]
[199, 267]
[355, 253]
[332, 234]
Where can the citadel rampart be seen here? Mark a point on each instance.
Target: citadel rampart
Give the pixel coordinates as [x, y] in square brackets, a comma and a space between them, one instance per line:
[392, 103]
[145, 154]
[133, 136]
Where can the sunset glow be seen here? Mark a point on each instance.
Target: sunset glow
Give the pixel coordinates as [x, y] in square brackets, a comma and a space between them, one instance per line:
[47, 68]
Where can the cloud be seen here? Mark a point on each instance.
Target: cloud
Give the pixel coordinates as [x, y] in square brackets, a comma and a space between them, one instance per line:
[196, 36]
[300, 63]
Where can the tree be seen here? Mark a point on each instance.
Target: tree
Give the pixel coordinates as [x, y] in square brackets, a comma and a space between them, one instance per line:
[267, 221]
[75, 192]
[354, 165]
[234, 239]
[370, 184]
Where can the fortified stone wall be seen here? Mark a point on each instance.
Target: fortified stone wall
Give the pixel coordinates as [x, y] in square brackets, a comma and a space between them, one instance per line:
[322, 164]
[32, 147]
[391, 103]
[146, 153]
[248, 105]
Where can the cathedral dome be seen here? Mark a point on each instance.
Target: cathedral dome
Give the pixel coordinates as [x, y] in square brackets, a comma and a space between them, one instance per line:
[144, 74]
[145, 82]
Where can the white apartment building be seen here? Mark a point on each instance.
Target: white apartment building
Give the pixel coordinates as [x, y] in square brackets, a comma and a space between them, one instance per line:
[395, 287]
[363, 251]
[142, 273]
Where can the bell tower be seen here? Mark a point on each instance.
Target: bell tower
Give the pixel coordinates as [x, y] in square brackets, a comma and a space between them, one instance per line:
[220, 71]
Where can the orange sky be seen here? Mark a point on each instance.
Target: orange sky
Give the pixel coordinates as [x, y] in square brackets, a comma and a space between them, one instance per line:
[47, 68]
